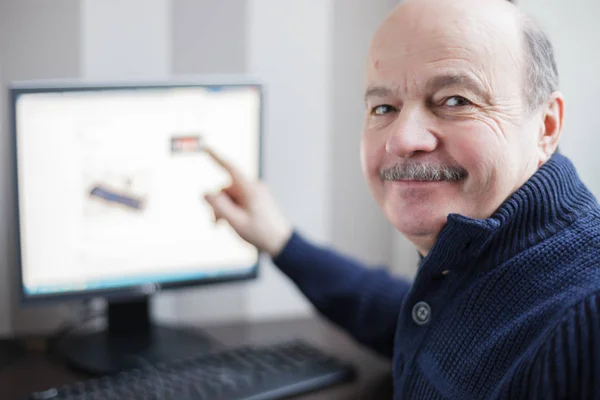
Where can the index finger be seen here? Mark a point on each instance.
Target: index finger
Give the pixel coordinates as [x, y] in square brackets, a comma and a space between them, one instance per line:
[236, 174]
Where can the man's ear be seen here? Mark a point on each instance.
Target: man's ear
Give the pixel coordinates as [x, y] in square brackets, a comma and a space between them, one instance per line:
[552, 126]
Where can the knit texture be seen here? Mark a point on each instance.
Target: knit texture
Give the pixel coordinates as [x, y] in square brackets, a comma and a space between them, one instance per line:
[514, 299]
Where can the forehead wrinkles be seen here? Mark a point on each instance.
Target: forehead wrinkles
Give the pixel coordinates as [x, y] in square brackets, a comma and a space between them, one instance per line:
[404, 42]
[407, 75]
[400, 57]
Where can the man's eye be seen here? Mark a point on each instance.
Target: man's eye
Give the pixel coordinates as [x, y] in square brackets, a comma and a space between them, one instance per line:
[382, 109]
[457, 101]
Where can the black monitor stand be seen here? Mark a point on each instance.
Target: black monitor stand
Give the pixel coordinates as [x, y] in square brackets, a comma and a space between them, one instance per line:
[130, 341]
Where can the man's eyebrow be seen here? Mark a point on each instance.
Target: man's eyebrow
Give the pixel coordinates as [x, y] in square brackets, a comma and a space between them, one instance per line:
[435, 84]
[378, 91]
[442, 81]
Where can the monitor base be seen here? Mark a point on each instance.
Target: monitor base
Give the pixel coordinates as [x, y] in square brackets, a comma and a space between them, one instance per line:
[101, 353]
[130, 341]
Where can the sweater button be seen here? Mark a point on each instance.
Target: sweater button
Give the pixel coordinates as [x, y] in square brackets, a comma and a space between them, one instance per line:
[421, 313]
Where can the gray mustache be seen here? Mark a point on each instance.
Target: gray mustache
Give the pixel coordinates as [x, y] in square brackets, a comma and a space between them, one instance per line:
[423, 172]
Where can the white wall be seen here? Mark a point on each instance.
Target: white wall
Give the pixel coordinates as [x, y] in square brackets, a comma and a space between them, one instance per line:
[209, 36]
[358, 226]
[123, 40]
[295, 63]
[38, 40]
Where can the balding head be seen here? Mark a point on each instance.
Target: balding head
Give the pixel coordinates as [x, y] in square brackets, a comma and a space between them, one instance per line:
[540, 76]
[465, 30]
[459, 91]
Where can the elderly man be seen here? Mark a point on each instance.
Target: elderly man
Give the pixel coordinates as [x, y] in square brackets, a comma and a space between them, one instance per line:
[461, 127]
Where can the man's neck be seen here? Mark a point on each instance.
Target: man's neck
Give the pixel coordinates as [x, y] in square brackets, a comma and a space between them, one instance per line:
[423, 243]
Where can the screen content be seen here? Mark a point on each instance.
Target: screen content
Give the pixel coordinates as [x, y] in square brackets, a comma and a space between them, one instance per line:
[111, 185]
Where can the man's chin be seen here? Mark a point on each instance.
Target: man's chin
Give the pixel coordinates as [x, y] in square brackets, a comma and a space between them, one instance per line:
[417, 223]
[413, 232]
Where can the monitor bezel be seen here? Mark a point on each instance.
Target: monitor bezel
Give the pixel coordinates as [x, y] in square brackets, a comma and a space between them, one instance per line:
[17, 89]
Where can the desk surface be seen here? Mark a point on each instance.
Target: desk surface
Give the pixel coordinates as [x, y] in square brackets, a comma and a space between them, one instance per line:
[37, 370]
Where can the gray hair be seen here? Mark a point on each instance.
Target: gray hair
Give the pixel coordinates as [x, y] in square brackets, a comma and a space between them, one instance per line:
[541, 71]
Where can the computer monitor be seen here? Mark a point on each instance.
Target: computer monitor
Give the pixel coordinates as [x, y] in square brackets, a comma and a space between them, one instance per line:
[110, 181]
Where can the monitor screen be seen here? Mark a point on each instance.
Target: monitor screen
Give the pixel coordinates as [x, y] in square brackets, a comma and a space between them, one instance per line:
[111, 179]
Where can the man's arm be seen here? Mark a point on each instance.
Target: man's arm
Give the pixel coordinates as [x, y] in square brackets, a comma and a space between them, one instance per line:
[366, 302]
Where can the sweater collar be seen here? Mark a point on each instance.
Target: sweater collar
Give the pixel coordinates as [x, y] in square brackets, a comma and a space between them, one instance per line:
[550, 200]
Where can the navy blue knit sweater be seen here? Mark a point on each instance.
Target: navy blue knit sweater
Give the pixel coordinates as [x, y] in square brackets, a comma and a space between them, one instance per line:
[507, 307]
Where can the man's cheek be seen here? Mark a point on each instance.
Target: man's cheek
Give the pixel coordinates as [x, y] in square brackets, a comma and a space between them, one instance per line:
[472, 150]
[372, 158]
[372, 154]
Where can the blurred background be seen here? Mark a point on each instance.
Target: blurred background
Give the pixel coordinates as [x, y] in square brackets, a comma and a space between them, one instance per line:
[311, 56]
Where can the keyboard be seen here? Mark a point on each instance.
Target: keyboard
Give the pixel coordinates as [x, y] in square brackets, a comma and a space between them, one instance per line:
[246, 373]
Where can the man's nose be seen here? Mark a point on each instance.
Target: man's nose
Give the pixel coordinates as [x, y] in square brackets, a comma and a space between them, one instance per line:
[410, 134]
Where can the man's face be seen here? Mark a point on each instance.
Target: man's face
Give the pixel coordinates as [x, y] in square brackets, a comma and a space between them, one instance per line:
[446, 127]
